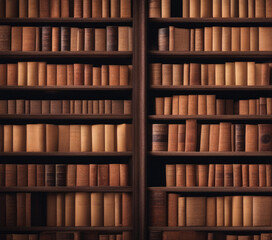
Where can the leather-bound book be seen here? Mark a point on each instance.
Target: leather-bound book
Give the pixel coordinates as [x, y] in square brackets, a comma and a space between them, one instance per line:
[180, 175]
[199, 39]
[11, 107]
[78, 8]
[61, 170]
[88, 69]
[51, 138]
[19, 138]
[125, 8]
[44, 10]
[195, 211]
[3, 76]
[54, 8]
[50, 175]
[103, 175]
[240, 73]
[86, 138]
[82, 209]
[260, 8]
[191, 136]
[237, 175]
[224, 137]
[154, 8]
[216, 38]
[93, 171]
[170, 172]
[100, 39]
[204, 137]
[46, 38]
[268, 172]
[7, 137]
[123, 38]
[12, 9]
[158, 208]
[63, 138]
[65, 8]
[172, 137]
[265, 137]
[228, 175]
[33, 8]
[115, 8]
[211, 74]
[237, 211]
[220, 74]
[245, 38]
[163, 39]
[226, 9]
[159, 137]
[65, 39]
[262, 106]
[190, 175]
[61, 75]
[239, 137]
[251, 138]
[253, 175]
[11, 209]
[172, 210]
[208, 39]
[214, 138]
[75, 138]
[21, 209]
[97, 204]
[112, 38]
[254, 38]
[55, 39]
[96, 8]
[261, 211]
[192, 104]
[264, 34]
[82, 175]
[230, 73]
[219, 175]
[265, 74]
[245, 175]
[181, 137]
[235, 39]
[268, 7]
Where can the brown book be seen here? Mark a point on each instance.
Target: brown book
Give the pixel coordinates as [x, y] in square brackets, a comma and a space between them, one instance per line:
[40, 171]
[158, 208]
[44, 9]
[35, 138]
[235, 39]
[268, 169]
[64, 38]
[214, 138]
[195, 211]
[103, 175]
[237, 210]
[54, 8]
[55, 39]
[156, 73]
[75, 138]
[78, 74]
[98, 138]
[12, 9]
[100, 39]
[254, 38]
[227, 211]
[51, 138]
[3, 69]
[21, 175]
[224, 137]
[251, 138]
[265, 137]
[11, 210]
[21, 209]
[199, 39]
[64, 138]
[29, 39]
[195, 74]
[170, 172]
[31, 175]
[82, 209]
[253, 175]
[159, 137]
[216, 38]
[165, 8]
[12, 74]
[125, 8]
[115, 8]
[5, 38]
[226, 39]
[163, 39]
[262, 175]
[172, 210]
[78, 8]
[112, 38]
[19, 138]
[154, 8]
[204, 137]
[211, 211]
[97, 76]
[172, 137]
[245, 175]
[126, 209]
[191, 136]
[124, 175]
[261, 215]
[96, 8]
[219, 175]
[264, 34]
[219, 211]
[82, 175]
[260, 8]
[239, 137]
[10, 175]
[114, 174]
[109, 209]
[228, 175]
[105, 8]
[93, 175]
[237, 175]
[65, 8]
[166, 74]
[191, 174]
[203, 175]
[50, 175]
[217, 8]
[16, 39]
[97, 200]
[71, 175]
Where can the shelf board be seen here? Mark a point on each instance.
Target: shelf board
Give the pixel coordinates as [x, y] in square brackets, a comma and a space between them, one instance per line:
[65, 117]
[70, 20]
[205, 21]
[213, 189]
[209, 154]
[66, 189]
[210, 117]
[197, 55]
[213, 229]
[66, 154]
[65, 54]
[52, 89]
[45, 228]
[211, 88]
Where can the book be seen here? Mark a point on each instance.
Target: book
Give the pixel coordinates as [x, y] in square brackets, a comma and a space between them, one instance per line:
[158, 208]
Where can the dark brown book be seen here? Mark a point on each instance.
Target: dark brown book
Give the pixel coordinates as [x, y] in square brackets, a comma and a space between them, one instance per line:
[112, 38]
[40, 170]
[11, 107]
[65, 39]
[12, 74]
[239, 137]
[12, 9]
[22, 175]
[103, 175]
[158, 208]
[172, 210]
[11, 210]
[195, 74]
[159, 137]
[61, 170]
[163, 39]
[219, 175]
[245, 175]
[5, 38]
[31, 175]
[46, 38]
[265, 137]
[10, 175]
[2, 175]
[50, 175]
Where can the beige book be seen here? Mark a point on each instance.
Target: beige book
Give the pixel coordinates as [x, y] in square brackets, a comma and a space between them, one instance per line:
[70, 209]
[247, 211]
[240, 73]
[97, 207]
[35, 138]
[98, 138]
[109, 207]
[194, 8]
[110, 138]
[86, 138]
[181, 211]
[237, 211]
[265, 34]
[245, 39]
[123, 37]
[226, 39]
[82, 209]
[166, 74]
[235, 39]
[220, 74]
[19, 138]
[51, 138]
[167, 106]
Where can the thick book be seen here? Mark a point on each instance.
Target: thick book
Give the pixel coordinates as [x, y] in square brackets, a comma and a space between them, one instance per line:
[195, 211]
[159, 137]
[82, 209]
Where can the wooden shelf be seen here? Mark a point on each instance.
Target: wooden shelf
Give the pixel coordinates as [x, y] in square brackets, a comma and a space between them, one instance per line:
[66, 189]
[213, 189]
[209, 154]
[201, 55]
[211, 88]
[66, 117]
[65, 21]
[65, 154]
[211, 117]
[206, 21]
[45, 228]
[65, 54]
[213, 229]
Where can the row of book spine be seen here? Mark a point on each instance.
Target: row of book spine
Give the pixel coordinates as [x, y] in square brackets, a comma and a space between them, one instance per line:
[214, 39]
[47, 38]
[218, 175]
[222, 137]
[37, 107]
[210, 105]
[66, 209]
[65, 8]
[194, 235]
[210, 9]
[67, 236]
[66, 138]
[77, 74]
[69, 175]
[209, 211]
[225, 74]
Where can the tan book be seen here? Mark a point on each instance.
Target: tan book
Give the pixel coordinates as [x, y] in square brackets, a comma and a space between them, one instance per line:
[114, 174]
[75, 138]
[12, 74]
[251, 138]
[203, 175]
[205, 8]
[235, 39]
[35, 138]
[195, 74]
[97, 205]
[55, 39]
[214, 138]
[51, 75]
[64, 10]
[170, 171]
[260, 8]
[262, 175]
[202, 105]
[216, 38]
[243, 107]
[186, 73]
[42, 71]
[204, 74]
[264, 34]
[247, 211]
[98, 138]
[28, 39]
[82, 209]
[167, 74]
[165, 8]
[172, 210]
[224, 137]
[251, 9]
[125, 8]
[118, 209]
[159, 106]
[123, 39]
[19, 138]
[217, 8]
[124, 75]
[195, 211]
[192, 104]
[264, 132]
[181, 137]
[254, 38]
[243, 8]
[204, 137]
[44, 8]
[240, 73]
[245, 39]
[70, 209]
[251, 75]
[261, 214]
[109, 207]
[211, 211]
[172, 137]
[211, 74]
[237, 211]
[208, 38]
[181, 41]
[78, 8]
[181, 211]
[100, 39]
[190, 175]
[226, 38]
[54, 8]
[86, 138]
[226, 9]
[82, 175]
[110, 138]
[16, 39]
[220, 74]
[123, 137]
[64, 138]
[268, 7]
[265, 74]
[194, 9]
[192, 39]
[211, 104]
[219, 211]
[252, 106]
